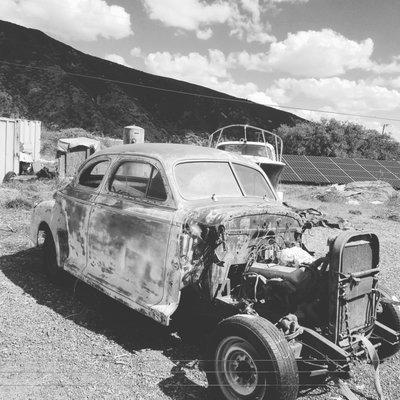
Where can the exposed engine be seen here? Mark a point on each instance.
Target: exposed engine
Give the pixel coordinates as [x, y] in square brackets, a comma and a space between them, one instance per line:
[268, 267]
[290, 282]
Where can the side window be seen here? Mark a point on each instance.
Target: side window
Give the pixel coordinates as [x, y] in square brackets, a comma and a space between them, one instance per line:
[131, 179]
[139, 180]
[156, 187]
[93, 174]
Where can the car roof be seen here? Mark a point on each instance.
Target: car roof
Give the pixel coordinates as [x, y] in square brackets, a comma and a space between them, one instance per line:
[171, 152]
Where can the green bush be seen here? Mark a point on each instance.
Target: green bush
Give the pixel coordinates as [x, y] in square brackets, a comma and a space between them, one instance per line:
[334, 138]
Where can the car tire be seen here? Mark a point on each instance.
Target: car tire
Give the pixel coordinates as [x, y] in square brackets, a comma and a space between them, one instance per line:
[389, 316]
[9, 176]
[249, 358]
[51, 267]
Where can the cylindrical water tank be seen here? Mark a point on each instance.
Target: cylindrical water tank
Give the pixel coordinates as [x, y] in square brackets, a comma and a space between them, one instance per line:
[133, 134]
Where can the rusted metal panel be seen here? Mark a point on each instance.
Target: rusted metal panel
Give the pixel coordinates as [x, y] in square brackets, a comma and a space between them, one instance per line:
[128, 246]
[352, 283]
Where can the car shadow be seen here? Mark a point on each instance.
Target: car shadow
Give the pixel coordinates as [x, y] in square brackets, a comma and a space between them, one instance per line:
[93, 310]
[88, 307]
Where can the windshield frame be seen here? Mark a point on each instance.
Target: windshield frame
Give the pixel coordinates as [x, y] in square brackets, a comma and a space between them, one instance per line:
[229, 162]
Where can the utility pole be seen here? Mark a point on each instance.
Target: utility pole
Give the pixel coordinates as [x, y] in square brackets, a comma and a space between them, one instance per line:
[383, 128]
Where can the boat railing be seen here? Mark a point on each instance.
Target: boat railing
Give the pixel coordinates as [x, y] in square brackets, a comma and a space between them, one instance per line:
[247, 133]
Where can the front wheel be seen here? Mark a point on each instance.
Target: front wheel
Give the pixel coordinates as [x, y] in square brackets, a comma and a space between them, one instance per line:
[249, 358]
[51, 267]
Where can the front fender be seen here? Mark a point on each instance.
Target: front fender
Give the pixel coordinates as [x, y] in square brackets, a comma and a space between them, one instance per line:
[41, 213]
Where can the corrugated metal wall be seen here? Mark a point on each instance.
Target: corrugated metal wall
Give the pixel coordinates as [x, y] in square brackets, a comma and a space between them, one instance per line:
[29, 136]
[8, 145]
[17, 135]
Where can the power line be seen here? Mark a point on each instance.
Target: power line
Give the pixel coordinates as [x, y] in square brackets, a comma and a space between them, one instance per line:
[232, 99]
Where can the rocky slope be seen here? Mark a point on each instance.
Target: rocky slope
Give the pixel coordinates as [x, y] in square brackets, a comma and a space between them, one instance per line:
[49, 87]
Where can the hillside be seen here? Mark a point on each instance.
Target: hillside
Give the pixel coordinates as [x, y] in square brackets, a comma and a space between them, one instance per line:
[62, 100]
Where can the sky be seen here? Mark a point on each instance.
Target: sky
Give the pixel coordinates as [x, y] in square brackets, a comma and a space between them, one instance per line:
[331, 55]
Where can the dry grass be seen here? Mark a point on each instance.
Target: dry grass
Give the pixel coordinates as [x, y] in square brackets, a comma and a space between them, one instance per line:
[70, 342]
[331, 204]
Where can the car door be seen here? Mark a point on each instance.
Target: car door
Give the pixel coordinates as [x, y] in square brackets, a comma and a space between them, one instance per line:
[129, 230]
[75, 202]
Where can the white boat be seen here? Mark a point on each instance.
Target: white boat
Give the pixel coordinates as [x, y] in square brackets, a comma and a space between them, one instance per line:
[256, 144]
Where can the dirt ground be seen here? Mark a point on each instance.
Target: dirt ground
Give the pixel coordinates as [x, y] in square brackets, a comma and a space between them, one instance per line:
[71, 342]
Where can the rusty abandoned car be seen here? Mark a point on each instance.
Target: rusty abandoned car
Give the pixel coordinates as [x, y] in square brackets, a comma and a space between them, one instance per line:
[190, 234]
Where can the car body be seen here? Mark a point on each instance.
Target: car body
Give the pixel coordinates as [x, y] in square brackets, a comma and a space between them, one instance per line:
[129, 247]
[197, 236]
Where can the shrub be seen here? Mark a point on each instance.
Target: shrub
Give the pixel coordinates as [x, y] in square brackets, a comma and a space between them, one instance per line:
[19, 203]
[334, 138]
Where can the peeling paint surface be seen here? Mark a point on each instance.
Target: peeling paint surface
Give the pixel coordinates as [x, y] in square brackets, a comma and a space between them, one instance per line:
[143, 252]
[127, 247]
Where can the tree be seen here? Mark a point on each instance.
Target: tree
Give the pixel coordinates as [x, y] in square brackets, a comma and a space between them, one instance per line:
[333, 138]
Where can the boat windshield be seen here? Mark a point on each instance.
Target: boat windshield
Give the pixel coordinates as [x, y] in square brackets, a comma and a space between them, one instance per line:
[206, 179]
[247, 149]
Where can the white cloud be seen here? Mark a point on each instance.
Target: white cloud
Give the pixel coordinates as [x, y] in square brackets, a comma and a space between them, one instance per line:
[316, 54]
[192, 67]
[372, 97]
[244, 17]
[339, 95]
[211, 71]
[191, 15]
[395, 82]
[262, 98]
[247, 21]
[136, 52]
[115, 58]
[69, 19]
[288, 1]
[336, 94]
[386, 68]
[204, 34]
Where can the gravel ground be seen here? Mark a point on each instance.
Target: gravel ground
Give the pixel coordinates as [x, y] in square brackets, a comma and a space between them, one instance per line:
[71, 342]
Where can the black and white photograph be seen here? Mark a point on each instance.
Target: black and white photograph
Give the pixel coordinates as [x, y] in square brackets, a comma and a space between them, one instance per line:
[199, 200]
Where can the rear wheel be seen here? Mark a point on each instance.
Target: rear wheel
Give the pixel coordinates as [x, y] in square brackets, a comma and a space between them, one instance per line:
[250, 358]
[53, 271]
[389, 315]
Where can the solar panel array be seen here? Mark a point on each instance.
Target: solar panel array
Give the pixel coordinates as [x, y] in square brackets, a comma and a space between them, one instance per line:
[329, 170]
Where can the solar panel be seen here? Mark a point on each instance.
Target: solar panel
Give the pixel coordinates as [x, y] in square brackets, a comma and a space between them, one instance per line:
[388, 163]
[329, 170]
[344, 161]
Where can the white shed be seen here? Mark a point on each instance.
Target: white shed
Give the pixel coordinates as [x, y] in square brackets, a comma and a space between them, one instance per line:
[19, 142]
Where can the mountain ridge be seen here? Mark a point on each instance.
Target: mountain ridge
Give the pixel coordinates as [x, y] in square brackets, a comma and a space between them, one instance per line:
[42, 78]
